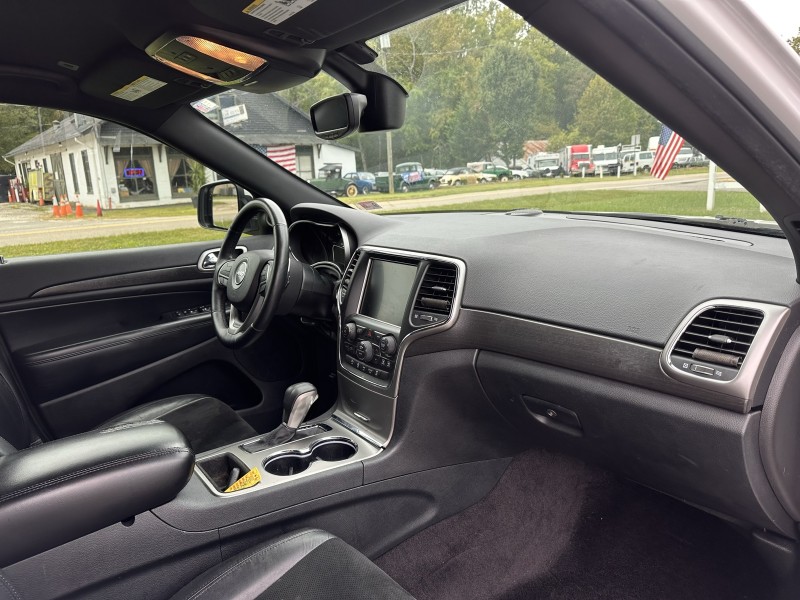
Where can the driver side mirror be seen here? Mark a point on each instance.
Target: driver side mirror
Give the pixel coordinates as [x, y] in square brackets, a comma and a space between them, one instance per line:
[219, 202]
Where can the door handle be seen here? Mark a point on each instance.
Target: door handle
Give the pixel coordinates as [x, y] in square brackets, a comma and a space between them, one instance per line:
[208, 259]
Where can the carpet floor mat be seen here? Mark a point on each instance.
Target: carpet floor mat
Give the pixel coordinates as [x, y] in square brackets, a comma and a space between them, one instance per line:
[555, 528]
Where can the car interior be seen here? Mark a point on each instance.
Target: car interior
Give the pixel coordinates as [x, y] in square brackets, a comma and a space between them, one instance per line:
[326, 402]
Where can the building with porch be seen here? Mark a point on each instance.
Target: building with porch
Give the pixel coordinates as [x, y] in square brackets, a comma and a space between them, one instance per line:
[86, 159]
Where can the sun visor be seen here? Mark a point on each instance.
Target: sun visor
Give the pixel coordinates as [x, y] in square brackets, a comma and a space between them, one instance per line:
[140, 81]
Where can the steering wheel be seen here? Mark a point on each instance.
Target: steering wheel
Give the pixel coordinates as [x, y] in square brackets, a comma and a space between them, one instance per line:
[253, 282]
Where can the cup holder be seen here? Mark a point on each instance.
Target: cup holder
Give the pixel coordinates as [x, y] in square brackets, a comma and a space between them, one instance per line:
[293, 462]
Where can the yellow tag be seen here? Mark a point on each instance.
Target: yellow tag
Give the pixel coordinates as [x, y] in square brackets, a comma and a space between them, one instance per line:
[247, 480]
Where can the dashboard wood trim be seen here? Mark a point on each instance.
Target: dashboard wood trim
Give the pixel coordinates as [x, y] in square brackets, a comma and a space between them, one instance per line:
[612, 358]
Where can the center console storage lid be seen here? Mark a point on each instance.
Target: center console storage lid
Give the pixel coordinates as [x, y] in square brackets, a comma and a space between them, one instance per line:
[61, 490]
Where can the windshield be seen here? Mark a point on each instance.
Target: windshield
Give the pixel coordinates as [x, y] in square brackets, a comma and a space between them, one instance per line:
[487, 90]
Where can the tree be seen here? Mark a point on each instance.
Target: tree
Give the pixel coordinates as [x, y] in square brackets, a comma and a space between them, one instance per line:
[508, 84]
[606, 116]
[795, 42]
[18, 124]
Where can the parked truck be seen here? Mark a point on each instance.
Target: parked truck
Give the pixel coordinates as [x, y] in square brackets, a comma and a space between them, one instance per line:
[577, 159]
[407, 176]
[547, 164]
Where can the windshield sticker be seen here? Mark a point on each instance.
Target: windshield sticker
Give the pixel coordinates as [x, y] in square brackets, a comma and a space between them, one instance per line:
[276, 11]
[138, 88]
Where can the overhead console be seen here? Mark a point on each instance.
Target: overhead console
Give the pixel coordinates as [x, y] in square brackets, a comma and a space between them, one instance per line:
[387, 299]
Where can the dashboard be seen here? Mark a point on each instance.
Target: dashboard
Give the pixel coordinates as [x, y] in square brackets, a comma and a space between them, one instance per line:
[583, 334]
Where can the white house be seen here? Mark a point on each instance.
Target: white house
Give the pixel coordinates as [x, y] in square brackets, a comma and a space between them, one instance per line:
[87, 159]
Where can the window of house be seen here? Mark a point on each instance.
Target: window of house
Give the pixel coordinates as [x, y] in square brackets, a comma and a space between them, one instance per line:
[185, 174]
[135, 173]
[87, 172]
[74, 172]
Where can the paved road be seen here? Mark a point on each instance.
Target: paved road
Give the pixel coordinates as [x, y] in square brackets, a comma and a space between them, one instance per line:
[35, 231]
[28, 224]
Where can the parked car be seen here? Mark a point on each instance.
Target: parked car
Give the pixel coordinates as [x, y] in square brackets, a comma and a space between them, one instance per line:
[435, 173]
[330, 180]
[490, 168]
[685, 157]
[365, 181]
[644, 160]
[462, 176]
[518, 173]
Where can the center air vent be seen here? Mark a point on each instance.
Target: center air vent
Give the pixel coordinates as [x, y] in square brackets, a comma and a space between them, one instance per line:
[434, 301]
[347, 278]
[719, 335]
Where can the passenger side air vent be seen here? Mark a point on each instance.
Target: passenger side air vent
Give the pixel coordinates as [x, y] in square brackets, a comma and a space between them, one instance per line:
[434, 301]
[348, 275]
[719, 336]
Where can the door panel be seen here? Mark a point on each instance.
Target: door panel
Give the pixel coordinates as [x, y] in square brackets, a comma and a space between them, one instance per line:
[53, 372]
[95, 334]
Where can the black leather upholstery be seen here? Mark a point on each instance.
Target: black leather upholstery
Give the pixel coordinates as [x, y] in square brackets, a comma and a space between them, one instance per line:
[309, 564]
[56, 492]
[206, 422]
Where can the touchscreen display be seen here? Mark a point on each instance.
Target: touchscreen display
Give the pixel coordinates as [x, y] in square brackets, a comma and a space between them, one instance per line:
[388, 290]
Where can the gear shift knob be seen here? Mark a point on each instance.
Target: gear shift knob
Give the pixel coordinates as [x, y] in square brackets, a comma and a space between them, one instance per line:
[296, 403]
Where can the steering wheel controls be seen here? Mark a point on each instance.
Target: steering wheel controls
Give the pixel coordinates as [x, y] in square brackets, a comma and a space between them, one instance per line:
[225, 273]
[369, 350]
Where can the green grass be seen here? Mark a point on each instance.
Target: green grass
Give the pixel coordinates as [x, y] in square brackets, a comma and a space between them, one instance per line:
[734, 204]
[113, 242]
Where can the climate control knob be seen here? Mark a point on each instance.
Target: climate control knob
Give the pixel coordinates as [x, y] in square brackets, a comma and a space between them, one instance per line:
[350, 331]
[364, 351]
[388, 345]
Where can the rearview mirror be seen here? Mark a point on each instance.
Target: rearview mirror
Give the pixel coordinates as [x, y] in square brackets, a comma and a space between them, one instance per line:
[336, 117]
[219, 202]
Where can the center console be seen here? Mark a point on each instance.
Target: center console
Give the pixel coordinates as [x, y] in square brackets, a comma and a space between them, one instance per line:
[387, 299]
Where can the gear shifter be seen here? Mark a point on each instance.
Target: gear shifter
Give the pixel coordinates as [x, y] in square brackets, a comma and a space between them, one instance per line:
[296, 403]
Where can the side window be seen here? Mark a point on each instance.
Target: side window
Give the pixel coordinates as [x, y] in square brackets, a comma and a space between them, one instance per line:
[61, 168]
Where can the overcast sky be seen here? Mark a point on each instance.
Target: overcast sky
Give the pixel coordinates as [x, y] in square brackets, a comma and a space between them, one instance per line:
[783, 16]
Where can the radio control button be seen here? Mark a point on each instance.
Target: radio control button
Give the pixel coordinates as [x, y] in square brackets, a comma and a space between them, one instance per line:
[365, 351]
[388, 345]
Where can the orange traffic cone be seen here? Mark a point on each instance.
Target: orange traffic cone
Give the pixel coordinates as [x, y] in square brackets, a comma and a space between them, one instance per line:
[41, 201]
[78, 210]
[56, 211]
[67, 205]
[99, 209]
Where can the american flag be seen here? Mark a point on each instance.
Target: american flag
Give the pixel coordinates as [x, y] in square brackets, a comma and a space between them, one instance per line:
[285, 156]
[669, 144]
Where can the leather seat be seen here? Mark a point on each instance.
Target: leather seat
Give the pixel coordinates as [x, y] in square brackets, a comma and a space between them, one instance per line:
[206, 422]
[309, 564]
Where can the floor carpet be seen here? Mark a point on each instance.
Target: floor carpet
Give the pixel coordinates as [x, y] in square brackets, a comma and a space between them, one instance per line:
[556, 529]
